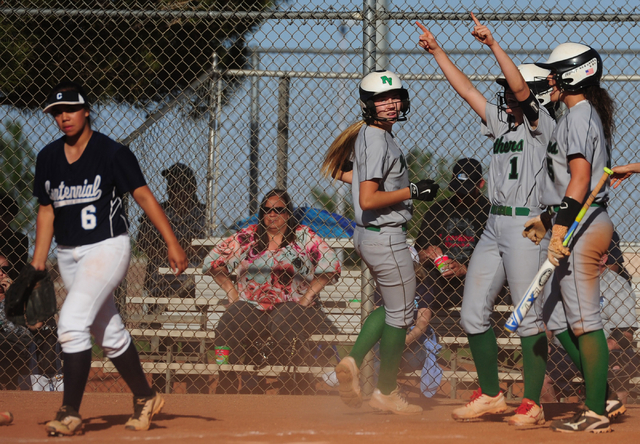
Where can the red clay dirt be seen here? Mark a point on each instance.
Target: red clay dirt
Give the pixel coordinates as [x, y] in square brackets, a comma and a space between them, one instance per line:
[285, 419]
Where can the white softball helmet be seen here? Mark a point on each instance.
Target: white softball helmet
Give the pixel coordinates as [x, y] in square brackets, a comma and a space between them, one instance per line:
[536, 78]
[380, 82]
[575, 66]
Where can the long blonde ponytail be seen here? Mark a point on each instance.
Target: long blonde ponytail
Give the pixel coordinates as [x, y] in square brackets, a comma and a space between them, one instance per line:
[340, 150]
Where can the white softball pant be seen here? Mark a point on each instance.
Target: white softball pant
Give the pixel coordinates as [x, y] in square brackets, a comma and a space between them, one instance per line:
[91, 274]
[502, 254]
[388, 257]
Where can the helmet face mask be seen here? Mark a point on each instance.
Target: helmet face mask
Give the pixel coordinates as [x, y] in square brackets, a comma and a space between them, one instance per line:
[536, 79]
[377, 83]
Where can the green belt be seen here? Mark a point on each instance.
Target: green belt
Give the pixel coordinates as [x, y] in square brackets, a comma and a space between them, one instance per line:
[377, 229]
[508, 211]
[556, 208]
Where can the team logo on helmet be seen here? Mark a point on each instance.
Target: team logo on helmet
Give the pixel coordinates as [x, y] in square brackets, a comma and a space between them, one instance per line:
[380, 82]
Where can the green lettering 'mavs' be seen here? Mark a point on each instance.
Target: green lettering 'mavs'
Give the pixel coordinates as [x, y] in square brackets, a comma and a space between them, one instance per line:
[511, 146]
[386, 79]
[552, 148]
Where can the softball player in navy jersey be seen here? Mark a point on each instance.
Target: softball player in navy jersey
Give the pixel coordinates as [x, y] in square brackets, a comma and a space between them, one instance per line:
[517, 188]
[578, 152]
[382, 197]
[80, 181]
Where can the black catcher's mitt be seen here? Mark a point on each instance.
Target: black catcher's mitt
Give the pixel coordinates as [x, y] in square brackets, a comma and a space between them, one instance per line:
[31, 295]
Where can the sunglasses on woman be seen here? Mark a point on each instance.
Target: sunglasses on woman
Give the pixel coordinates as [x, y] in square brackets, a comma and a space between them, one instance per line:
[5, 268]
[277, 210]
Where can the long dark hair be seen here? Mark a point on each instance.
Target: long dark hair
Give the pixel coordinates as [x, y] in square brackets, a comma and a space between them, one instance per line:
[262, 241]
[605, 106]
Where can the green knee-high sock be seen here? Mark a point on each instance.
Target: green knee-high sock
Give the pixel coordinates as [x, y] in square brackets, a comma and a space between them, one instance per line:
[535, 351]
[484, 349]
[391, 349]
[594, 354]
[370, 334]
[570, 344]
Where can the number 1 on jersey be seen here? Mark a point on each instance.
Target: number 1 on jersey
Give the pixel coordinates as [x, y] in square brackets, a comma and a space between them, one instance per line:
[513, 174]
[88, 217]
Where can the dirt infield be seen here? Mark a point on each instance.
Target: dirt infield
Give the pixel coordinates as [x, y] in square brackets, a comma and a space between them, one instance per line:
[284, 419]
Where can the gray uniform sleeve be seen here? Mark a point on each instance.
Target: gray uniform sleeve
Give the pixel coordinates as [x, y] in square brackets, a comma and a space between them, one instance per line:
[582, 136]
[372, 162]
[493, 127]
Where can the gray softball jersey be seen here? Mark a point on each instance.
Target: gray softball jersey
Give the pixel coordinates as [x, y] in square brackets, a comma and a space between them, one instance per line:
[378, 156]
[579, 131]
[517, 172]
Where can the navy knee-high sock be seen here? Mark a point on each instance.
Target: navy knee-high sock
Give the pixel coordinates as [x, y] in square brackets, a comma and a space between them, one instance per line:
[129, 367]
[76, 367]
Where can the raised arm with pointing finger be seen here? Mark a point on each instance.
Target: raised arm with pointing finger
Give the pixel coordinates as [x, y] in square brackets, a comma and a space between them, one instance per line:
[516, 186]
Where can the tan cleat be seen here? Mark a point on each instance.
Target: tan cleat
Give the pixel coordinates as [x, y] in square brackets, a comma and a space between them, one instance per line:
[394, 402]
[143, 410]
[480, 405]
[67, 423]
[529, 413]
[348, 376]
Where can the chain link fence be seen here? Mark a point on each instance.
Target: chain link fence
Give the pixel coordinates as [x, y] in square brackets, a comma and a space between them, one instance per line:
[223, 101]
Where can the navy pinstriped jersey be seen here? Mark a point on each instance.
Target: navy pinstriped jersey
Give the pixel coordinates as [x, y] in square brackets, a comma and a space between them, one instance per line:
[87, 194]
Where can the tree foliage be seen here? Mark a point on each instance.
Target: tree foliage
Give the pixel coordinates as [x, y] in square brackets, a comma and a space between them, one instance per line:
[127, 58]
[17, 169]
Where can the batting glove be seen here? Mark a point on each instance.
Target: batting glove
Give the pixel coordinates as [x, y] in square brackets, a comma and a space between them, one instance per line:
[556, 250]
[536, 228]
[425, 189]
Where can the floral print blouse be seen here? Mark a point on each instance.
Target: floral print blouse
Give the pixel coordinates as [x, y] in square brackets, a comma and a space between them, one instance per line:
[274, 276]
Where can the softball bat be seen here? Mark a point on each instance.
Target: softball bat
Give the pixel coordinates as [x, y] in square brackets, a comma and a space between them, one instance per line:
[547, 268]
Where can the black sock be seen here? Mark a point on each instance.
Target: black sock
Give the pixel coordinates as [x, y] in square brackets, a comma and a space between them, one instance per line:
[76, 368]
[128, 365]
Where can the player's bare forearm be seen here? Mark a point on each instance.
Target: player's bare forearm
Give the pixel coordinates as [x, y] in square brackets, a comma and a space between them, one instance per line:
[371, 198]
[144, 197]
[509, 69]
[44, 236]
[623, 172]
[461, 84]
[176, 255]
[346, 177]
[456, 78]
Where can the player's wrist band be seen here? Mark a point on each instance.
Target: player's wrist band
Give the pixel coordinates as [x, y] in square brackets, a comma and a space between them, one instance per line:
[569, 209]
[530, 107]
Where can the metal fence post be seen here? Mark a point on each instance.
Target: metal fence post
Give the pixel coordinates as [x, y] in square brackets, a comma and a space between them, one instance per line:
[283, 132]
[368, 37]
[254, 141]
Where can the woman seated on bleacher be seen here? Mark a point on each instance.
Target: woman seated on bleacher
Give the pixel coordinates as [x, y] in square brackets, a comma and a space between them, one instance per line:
[280, 269]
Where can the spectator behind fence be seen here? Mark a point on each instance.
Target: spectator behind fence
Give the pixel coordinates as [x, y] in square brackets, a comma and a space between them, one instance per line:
[14, 245]
[187, 218]
[452, 227]
[618, 312]
[27, 351]
[281, 267]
